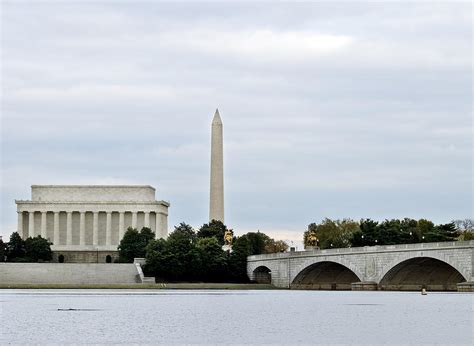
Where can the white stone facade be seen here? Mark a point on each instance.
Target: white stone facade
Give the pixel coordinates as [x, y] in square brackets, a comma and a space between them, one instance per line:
[90, 217]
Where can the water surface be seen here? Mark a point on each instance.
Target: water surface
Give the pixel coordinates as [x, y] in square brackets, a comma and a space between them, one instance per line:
[220, 316]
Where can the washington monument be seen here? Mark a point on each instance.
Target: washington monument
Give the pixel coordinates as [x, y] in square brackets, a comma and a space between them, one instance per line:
[216, 201]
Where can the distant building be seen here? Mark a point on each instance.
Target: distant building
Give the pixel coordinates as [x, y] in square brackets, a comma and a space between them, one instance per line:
[85, 223]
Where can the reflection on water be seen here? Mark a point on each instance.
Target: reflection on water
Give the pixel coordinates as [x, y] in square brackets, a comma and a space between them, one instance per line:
[220, 316]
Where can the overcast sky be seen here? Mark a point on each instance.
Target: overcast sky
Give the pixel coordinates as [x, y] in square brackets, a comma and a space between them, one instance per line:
[329, 110]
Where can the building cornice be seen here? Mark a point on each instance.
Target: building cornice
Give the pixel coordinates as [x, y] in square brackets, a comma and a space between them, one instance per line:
[94, 186]
[164, 203]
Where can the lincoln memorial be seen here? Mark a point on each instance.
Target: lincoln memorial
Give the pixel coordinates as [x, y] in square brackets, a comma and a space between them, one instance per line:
[85, 223]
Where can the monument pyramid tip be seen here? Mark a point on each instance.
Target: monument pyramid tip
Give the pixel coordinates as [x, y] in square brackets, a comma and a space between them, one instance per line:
[217, 117]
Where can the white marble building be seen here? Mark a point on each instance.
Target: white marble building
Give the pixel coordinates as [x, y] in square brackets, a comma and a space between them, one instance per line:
[90, 218]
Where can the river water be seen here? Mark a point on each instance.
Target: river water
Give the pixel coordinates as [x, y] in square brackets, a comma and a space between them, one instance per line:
[228, 316]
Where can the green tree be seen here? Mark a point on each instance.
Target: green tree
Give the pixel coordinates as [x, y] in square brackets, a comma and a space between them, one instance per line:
[15, 248]
[425, 229]
[445, 232]
[367, 234]
[252, 243]
[186, 257]
[257, 242]
[212, 260]
[134, 243]
[346, 230]
[156, 258]
[215, 229]
[409, 231]
[333, 233]
[180, 244]
[38, 249]
[3, 251]
[241, 249]
[389, 232]
[175, 258]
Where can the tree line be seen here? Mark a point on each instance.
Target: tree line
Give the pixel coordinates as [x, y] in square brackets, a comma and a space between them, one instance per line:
[190, 255]
[366, 232]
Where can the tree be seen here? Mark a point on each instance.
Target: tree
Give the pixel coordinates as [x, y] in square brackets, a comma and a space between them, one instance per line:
[133, 244]
[241, 249]
[467, 236]
[465, 228]
[252, 243]
[185, 256]
[38, 249]
[213, 260]
[174, 258]
[215, 229]
[332, 233]
[156, 258]
[15, 248]
[275, 246]
[425, 227]
[179, 248]
[3, 251]
[369, 233]
[257, 241]
[346, 229]
[147, 234]
[465, 225]
[409, 230]
[445, 232]
[389, 232]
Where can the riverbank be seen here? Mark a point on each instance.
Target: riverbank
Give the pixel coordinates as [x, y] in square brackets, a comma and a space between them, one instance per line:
[184, 285]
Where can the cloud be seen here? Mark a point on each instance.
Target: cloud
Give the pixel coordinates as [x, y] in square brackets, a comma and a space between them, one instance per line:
[261, 45]
[338, 110]
[94, 94]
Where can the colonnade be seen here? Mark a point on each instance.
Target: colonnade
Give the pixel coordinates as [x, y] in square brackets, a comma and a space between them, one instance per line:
[160, 226]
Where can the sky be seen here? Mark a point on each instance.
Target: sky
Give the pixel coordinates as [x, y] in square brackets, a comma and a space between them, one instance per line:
[340, 110]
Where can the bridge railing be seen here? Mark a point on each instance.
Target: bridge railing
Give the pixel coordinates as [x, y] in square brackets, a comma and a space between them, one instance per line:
[376, 248]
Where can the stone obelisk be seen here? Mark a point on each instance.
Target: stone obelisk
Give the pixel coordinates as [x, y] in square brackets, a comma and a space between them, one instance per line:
[216, 201]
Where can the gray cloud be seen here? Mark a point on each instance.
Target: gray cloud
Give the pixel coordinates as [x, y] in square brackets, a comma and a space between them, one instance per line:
[354, 110]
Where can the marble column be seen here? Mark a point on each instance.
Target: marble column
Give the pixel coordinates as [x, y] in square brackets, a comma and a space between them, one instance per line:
[121, 225]
[56, 229]
[161, 226]
[43, 224]
[31, 223]
[108, 229]
[147, 219]
[95, 229]
[134, 219]
[20, 224]
[68, 228]
[164, 226]
[82, 228]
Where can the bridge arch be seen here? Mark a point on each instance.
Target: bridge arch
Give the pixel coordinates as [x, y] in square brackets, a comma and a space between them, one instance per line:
[262, 275]
[326, 275]
[417, 270]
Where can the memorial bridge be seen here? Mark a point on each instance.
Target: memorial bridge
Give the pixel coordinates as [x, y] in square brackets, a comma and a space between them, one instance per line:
[445, 266]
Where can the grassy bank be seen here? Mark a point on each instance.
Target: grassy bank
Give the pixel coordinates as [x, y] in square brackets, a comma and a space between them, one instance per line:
[187, 286]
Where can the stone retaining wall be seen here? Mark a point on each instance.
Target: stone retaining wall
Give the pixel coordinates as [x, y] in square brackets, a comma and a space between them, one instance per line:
[68, 273]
